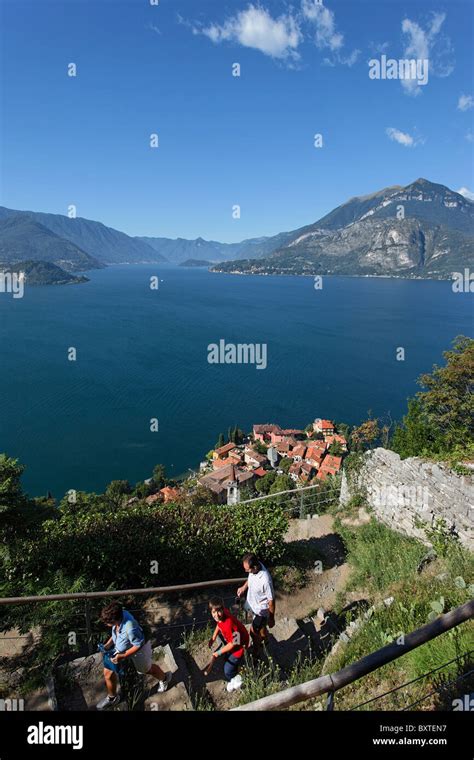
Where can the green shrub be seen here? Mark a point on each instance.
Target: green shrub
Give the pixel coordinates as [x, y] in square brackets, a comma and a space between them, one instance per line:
[115, 550]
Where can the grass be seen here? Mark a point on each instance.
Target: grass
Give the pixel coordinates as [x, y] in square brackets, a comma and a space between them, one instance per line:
[196, 637]
[379, 556]
[201, 701]
[287, 578]
[305, 669]
[265, 678]
[294, 570]
[386, 564]
[259, 680]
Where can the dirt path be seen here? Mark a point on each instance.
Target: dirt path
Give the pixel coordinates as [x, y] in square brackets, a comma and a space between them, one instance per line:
[321, 590]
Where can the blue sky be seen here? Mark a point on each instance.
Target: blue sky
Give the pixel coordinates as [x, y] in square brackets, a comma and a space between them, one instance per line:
[225, 140]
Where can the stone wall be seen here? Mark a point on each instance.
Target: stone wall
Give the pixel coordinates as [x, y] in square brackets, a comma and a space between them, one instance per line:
[399, 491]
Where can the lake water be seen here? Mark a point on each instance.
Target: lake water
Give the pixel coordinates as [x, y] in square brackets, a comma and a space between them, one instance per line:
[142, 354]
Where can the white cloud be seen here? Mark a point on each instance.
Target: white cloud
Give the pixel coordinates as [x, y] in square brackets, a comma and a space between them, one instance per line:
[465, 102]
[466, 193]
[379, 47]
[280, 37]
[403, 138]
[327, 36]
[470, 136]
[256, 28]
[427, 44]
[154, 28]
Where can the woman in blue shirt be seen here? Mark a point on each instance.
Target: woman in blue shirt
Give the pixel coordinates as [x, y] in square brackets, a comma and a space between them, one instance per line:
[127, 640]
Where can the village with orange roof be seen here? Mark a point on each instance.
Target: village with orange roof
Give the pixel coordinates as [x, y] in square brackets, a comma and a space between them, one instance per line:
[307, 457]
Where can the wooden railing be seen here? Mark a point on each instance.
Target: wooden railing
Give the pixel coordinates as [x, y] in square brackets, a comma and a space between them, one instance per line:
[329, 684]
[123, 592]
[88, 596]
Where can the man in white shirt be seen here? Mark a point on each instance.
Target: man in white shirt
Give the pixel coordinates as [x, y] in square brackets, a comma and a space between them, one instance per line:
[260, 599]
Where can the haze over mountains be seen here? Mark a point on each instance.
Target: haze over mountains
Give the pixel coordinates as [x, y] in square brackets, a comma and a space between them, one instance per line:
[177, 251]
[421, 230]
[22, 238]
[38, 235]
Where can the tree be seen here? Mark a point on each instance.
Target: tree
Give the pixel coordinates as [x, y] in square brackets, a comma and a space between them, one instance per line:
[260, 447]
[74, 502]
[142, 489]
[335, 449]
[440, 420]
[247, 492]
[414, 436]
[448, 401]
[11, 492]
[18, 514]
[343, 429]
[115, 493]
[285, 464]
[220, 441]
[159, 476]
[239, 436]
[366, 435]
[198, 497]
[282, 483]
[263, 484]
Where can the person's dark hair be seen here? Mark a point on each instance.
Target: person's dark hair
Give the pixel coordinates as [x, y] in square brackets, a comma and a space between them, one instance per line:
[216, 603]
[113, 613]
[253, 561]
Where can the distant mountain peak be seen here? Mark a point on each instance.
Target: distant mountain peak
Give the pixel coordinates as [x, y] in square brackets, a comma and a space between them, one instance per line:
[368, 235]
[378, 193]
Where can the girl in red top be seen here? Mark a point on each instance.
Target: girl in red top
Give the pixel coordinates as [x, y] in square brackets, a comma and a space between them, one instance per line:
[236, 639]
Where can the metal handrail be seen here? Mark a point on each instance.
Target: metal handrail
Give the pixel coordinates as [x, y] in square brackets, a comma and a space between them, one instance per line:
[292, 492]
[335, 681]
[413, 680]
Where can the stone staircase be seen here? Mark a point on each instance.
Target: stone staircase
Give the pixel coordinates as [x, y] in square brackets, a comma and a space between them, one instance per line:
[287, 642]
[177, 696]
[208, 692]
[79, 685]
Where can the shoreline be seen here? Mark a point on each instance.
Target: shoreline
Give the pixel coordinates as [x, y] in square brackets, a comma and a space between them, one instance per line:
[359, 276]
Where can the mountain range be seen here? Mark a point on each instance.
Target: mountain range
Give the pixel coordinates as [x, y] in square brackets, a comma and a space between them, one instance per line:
[85, 244]
[179, 250]
[420, 230]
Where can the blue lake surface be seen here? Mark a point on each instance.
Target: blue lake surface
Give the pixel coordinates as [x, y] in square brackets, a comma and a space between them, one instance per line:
[142, 354]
